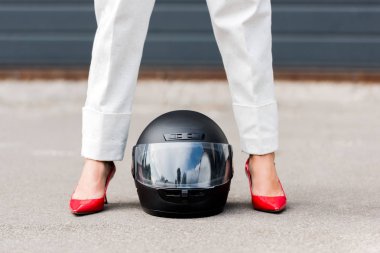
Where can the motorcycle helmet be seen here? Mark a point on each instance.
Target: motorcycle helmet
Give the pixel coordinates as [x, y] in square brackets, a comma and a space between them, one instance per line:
[182, 166]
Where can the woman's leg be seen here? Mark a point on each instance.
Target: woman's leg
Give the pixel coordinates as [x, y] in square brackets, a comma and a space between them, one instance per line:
[116, 57]
[243, 32]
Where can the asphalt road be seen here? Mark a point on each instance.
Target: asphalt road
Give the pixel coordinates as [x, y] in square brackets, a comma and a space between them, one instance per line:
[329, 163]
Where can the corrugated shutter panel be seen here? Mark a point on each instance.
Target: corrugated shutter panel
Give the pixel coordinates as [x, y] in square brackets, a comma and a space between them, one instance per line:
[306, 33]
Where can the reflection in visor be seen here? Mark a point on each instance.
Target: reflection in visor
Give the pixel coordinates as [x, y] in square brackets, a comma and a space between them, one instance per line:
[183, 165]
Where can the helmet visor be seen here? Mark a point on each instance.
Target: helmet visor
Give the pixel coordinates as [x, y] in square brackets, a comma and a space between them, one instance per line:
[183, 164]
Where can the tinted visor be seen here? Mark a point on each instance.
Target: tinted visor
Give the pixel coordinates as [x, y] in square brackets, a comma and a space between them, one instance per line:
[183, 164]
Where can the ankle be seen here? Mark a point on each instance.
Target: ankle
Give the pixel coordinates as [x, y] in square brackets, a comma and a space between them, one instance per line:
[262, 161]
[262, 158]
[102, 165]
[95, 172]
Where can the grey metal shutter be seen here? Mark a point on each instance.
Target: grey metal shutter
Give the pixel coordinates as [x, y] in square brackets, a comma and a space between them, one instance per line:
[306, 33]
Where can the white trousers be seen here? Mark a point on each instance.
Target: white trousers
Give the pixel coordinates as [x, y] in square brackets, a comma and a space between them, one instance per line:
[243, 32]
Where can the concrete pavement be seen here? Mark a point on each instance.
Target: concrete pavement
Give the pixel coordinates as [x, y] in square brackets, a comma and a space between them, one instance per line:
[329, 163]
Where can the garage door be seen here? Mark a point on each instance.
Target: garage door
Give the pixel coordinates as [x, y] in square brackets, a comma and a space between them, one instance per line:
[306, 34]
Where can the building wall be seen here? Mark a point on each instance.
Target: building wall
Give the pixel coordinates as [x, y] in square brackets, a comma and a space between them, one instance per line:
[330, 34]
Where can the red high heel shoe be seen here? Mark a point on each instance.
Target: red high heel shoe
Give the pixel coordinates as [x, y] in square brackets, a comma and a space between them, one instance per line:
[263, 203]
[88, 206]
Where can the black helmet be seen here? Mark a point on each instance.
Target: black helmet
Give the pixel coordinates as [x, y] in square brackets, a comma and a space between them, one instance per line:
[182, 166]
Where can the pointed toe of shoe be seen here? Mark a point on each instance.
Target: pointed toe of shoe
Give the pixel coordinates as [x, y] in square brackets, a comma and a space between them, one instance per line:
[269, 204]
[87, 206]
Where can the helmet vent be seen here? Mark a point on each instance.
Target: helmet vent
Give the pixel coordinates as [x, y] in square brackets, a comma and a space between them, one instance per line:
[184, 136]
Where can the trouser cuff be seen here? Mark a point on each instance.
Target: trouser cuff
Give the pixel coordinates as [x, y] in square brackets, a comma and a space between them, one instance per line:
[258, 127]
[104, 135]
